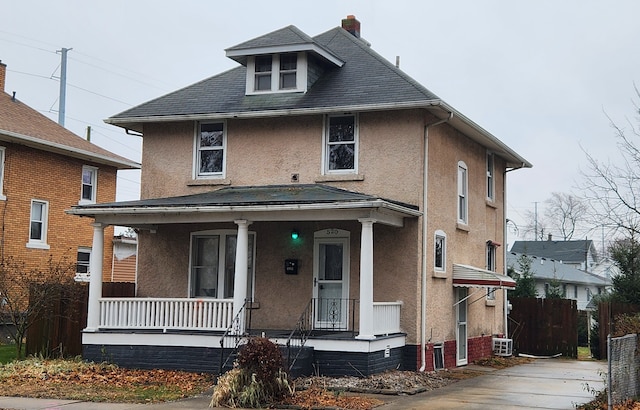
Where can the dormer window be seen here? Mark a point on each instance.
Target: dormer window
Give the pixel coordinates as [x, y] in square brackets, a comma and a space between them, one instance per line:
[263, 73]
[276, 73]
[288, 63]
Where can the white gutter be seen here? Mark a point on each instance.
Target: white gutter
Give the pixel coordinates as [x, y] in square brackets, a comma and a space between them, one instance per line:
[423, 301]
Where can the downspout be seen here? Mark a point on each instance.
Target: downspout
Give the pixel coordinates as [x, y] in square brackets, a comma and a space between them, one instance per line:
[505, 303]
[423, 303]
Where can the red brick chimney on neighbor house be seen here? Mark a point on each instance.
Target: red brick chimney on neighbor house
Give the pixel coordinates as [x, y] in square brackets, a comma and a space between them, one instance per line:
[351, 25]
[3, 73]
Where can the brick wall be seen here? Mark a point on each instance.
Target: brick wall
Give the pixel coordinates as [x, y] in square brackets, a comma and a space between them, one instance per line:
[477, 348]
[34, 174]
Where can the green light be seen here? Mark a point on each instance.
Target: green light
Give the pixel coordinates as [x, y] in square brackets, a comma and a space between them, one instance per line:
[295, 235]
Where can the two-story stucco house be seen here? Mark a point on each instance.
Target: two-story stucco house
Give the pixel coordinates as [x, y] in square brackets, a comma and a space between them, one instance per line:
[44, 170]
[314, 191]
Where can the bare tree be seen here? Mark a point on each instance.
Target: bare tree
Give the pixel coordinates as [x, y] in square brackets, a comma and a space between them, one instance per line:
[612, 190]
[565, 213]
[25, 293]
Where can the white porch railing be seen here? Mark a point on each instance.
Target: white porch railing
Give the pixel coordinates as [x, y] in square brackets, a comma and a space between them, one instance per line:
[163, 313]
[386, 317]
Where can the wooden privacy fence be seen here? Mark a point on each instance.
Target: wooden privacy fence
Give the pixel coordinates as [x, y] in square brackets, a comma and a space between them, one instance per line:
[607, 312]
[544, 327]
[57, 331]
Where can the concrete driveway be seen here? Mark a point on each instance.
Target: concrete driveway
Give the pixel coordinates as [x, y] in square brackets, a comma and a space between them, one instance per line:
[543, 384]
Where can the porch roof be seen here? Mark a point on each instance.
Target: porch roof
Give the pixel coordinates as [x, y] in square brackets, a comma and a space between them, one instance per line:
[254, 203]
[470, 276]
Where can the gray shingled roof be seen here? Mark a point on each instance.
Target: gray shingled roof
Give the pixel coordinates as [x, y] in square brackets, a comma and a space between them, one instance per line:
[566, 251]
[289, 35]
[254, 195]
[383, 84]
[549, 269]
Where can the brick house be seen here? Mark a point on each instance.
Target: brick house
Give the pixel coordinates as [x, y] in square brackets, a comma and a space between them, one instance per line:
[320, 196]
[44, 170]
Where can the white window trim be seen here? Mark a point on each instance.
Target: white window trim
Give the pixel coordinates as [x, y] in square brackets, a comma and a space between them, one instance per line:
[222, 232]
[94, 185]
[463, 192]
[436, 235]
[301, 75]
[80, 277]
[196, 152]
[325, 146]
[491, 176]
[39, 243]
[2, 162]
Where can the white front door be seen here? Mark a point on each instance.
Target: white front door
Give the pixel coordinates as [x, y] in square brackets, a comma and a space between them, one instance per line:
[331, 280]
[461, 327]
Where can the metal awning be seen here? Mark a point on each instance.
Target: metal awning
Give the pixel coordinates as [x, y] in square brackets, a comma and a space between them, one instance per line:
[470, 276]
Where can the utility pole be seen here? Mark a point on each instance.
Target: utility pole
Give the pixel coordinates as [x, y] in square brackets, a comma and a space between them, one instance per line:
[63, 85]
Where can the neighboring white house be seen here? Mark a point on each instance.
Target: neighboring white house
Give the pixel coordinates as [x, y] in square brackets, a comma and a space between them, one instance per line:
[579, 254]
[576, 284]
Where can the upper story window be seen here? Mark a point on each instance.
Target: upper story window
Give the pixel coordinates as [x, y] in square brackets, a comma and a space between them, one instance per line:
[490, 177]
[210, 147]
[38, 224]
[341, 144]
[440, 251]
[89, 185]
[491, 265]
[463, 205]
[274, 73]
[263, 68]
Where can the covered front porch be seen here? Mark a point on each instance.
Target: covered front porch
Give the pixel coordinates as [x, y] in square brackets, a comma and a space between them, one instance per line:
[247, 295]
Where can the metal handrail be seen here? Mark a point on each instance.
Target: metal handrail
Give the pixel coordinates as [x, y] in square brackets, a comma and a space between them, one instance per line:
[301, 333]
[239, 334]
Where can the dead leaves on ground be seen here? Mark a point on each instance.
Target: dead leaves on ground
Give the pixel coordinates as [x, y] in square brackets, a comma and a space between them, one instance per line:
[75, 379]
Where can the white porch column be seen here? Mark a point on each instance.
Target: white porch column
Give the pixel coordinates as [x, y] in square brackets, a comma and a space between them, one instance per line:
[241, 268]
[366, 280]
[95, 278]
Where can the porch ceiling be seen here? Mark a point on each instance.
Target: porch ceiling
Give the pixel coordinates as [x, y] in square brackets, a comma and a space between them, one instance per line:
[301, 202]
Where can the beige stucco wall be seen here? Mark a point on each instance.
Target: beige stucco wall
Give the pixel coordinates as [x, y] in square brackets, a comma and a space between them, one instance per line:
[268, 151]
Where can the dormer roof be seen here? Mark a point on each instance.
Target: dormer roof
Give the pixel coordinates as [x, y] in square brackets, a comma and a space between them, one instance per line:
[289, 39]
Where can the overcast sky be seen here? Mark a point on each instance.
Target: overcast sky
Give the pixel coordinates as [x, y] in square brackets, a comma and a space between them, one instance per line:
[539, 75]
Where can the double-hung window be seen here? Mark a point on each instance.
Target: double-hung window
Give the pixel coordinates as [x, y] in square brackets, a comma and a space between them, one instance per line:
[38, 224]
[263, 68]
[341, 144]
[82, 264]
[210, 147]
[440, 251]
[288, 69]
[490, 177]
[463, 200]
[89, 185]
[491, 265]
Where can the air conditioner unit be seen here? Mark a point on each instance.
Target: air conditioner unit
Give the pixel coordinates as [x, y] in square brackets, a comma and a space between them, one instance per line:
[502, 347]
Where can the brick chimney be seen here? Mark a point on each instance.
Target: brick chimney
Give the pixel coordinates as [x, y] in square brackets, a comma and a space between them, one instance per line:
[351, 25]
[3, 73]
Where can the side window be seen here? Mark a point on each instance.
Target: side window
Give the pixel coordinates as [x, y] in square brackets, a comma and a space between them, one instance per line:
[463, 206]
[2, 157]
[440, 251]
[89, 185]
[38, 224]
[491, 265]
[82, 264]
[341, 144]
[210, 147]
[490, 177]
